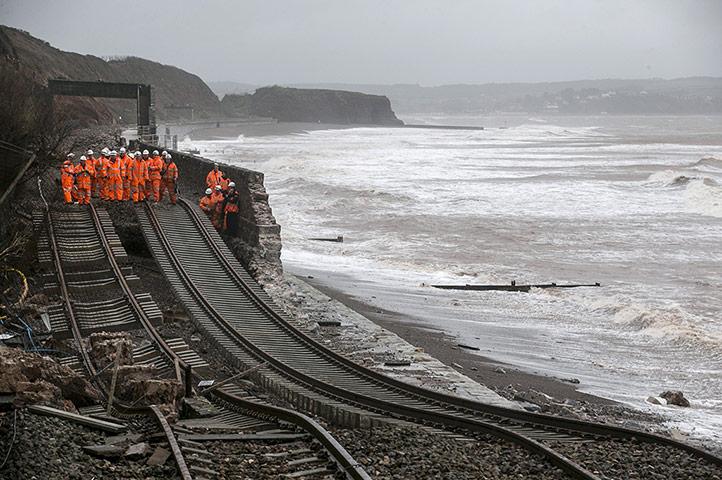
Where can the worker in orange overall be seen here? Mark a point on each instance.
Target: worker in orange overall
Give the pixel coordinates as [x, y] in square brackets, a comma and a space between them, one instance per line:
[125, 163]
[214, 177]
[206, 203]
[67, 178]
[101, 167]
[155, 172]
[230, 210]
[114, 174]
[225, 182]
[90, 158]
[84, 173]
[145, 186]
[169, 179]
[217, 214]
[137, 175]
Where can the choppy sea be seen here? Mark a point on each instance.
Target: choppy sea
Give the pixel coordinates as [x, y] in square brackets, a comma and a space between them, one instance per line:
[634, 203]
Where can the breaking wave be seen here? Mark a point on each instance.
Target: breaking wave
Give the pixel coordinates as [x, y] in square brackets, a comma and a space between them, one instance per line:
[671, 323]
[704, 197]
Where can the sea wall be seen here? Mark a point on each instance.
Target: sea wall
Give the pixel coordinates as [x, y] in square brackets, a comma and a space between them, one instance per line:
[258, 243]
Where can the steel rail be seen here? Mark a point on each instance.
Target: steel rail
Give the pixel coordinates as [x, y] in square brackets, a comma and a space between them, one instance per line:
[413, 414]
[342, 458]
[469, 406]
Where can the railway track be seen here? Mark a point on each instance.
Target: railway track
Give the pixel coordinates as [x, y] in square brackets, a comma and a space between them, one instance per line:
[237, 316]
[308, 450]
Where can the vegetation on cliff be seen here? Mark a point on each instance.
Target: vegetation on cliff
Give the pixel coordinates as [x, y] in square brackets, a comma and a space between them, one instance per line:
[172, 87]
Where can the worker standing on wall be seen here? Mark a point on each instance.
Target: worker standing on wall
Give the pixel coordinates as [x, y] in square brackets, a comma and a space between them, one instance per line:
[125, 162]
[214, 177]
[206, 203]
[217, 215]
[115, 172]
[169, 179]
[230, 210]
[67, 178]
[84, 173]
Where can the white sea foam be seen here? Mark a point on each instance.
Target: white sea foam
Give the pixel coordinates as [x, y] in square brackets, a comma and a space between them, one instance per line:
[536, 202]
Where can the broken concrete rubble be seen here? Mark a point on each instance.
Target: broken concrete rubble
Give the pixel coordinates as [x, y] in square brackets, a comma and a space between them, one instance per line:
[29, 379]
[109, 347]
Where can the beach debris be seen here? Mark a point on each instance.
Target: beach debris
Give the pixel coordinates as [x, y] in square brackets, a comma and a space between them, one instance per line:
[456, 365]
[575, 381]
[500, 370]
[397, 363]
[656, 400]
[338, 239]
[513, 287]
[675, 397]
[468, 347]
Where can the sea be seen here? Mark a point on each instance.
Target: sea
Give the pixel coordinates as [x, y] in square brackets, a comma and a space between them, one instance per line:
[631, 202]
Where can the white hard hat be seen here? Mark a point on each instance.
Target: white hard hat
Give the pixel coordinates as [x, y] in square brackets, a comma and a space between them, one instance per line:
[155, 152]
[218, 187]
[122, 149]
[168, 156]
[113, 153]
[137, 153]
[145, 152]
[105, 150]
[164, 152]
[215, 164]
[71, 155]
[82, 158]
[89, 152]
[208, 191]
[232, 184]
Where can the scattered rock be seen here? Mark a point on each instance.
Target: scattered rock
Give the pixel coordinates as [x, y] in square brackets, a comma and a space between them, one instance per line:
[105, 451]
[31, 379]
[108, 347]
[575, 381]
[675, 397]
[123, 440]
[159, 457]
[137, 451]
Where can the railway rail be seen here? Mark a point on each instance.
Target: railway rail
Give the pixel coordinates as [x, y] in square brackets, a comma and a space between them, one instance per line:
[96, 243]
[236, 314]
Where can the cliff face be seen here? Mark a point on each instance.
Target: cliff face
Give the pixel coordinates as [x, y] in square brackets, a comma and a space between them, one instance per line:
[311, 105]
[171, 86]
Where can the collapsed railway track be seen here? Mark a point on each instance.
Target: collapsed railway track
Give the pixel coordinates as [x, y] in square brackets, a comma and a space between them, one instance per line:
[236, 314]
[87, 237]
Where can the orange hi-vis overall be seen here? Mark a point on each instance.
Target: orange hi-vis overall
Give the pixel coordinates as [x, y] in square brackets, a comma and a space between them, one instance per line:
[155, 167]
[214, 178]
[95, 178]
[170, 177]
[217, 214]
[67, 172]
[114, 176]
[206, 205]
[101, 166]
[137, 174]
[125, 162]
[83, 180]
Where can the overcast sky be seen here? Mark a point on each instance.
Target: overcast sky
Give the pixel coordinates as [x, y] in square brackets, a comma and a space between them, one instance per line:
[402, 41]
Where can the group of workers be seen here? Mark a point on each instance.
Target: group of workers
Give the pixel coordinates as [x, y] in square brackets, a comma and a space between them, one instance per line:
[140, 176]
[119, 176]
[221, 201]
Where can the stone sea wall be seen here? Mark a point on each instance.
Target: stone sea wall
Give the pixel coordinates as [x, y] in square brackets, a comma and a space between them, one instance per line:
[258, 244]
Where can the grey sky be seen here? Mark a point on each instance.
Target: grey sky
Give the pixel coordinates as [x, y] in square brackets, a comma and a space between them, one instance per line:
[402, 41]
